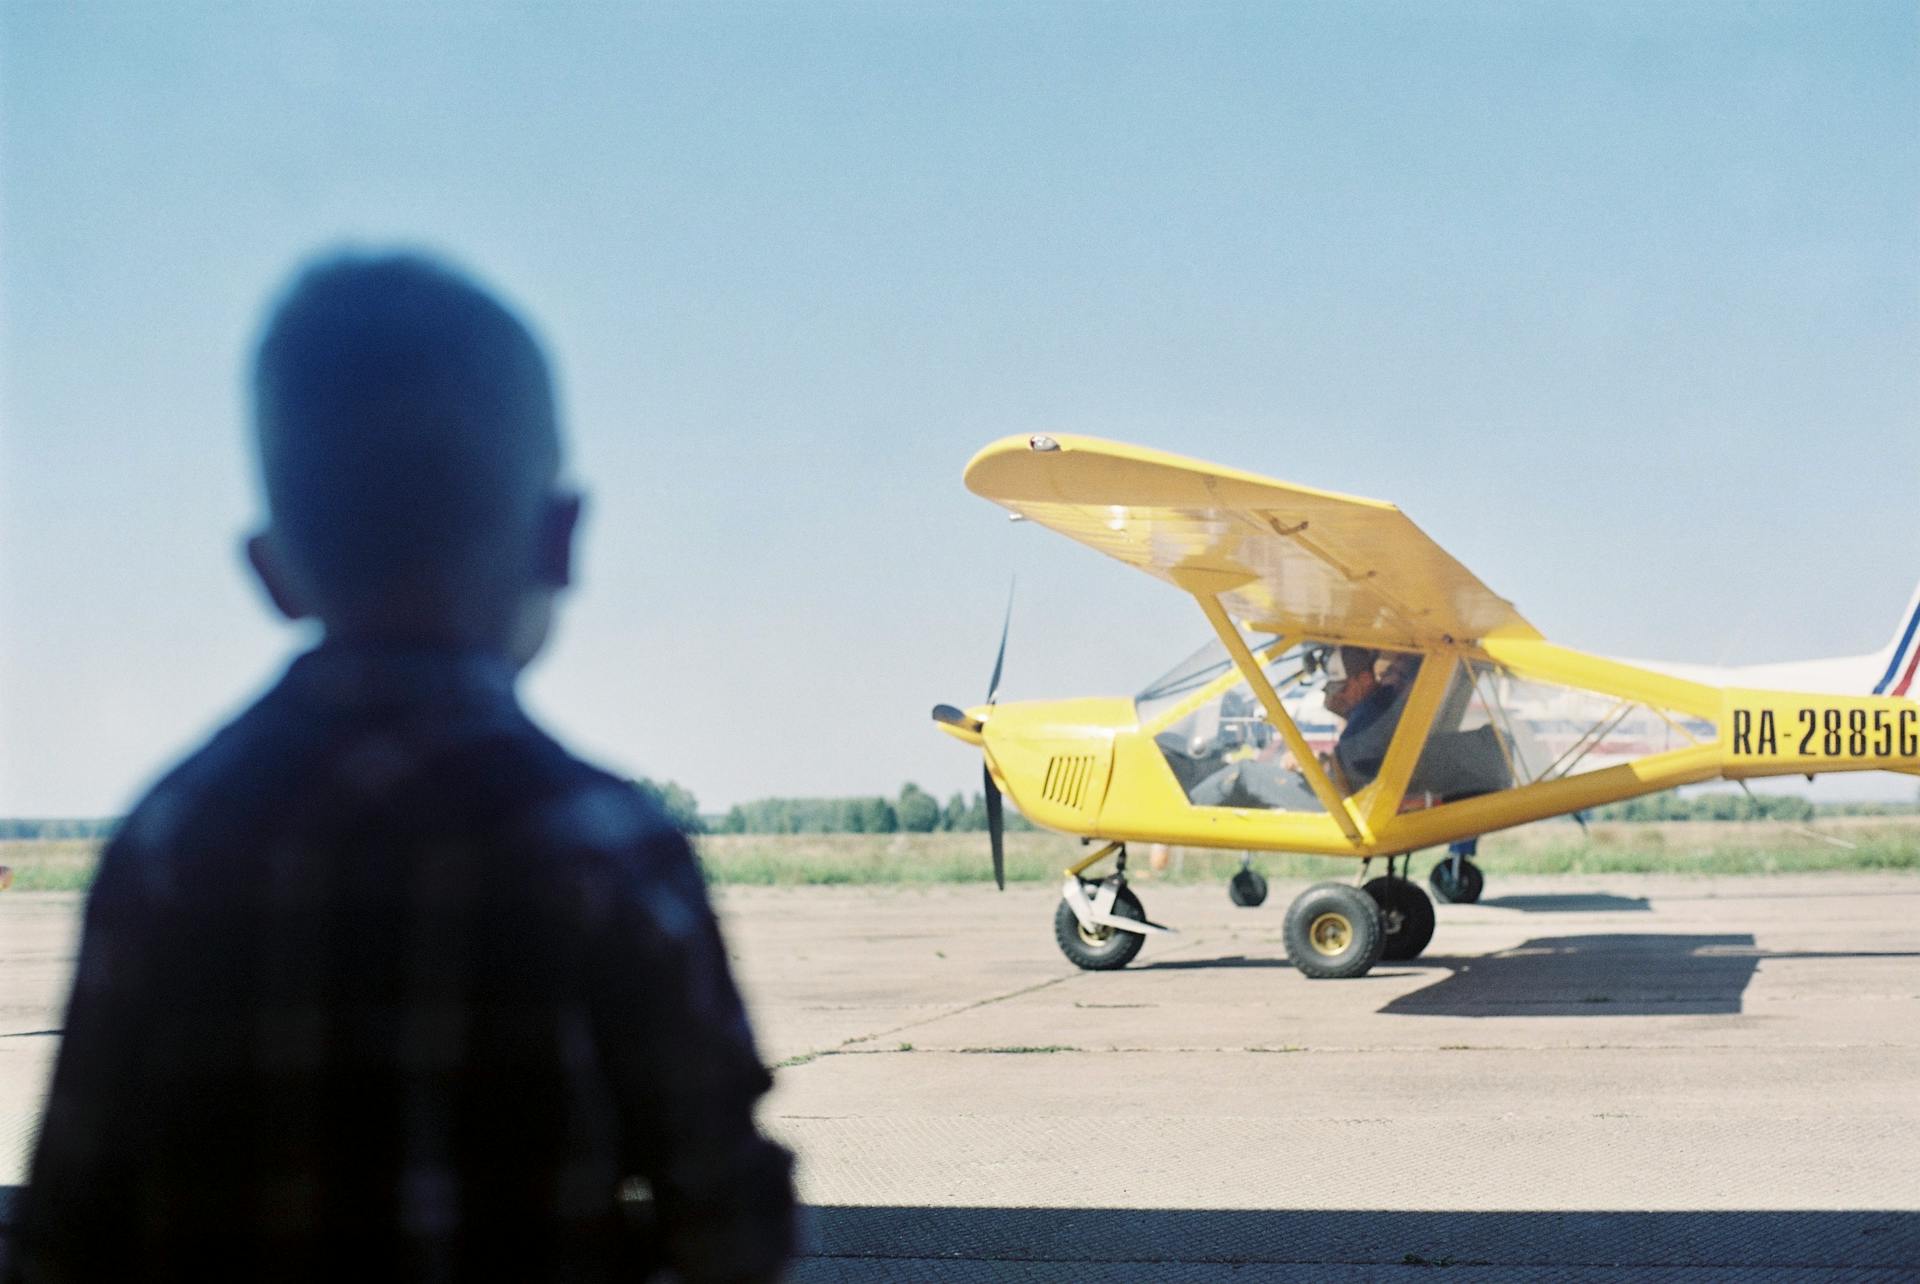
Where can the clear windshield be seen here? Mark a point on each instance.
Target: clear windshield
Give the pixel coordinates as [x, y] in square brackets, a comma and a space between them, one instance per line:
[1224, 751]
[1492, 731]
[1196, 671]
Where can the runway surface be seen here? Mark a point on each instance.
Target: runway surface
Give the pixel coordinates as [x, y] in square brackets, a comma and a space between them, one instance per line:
[1657, 1076]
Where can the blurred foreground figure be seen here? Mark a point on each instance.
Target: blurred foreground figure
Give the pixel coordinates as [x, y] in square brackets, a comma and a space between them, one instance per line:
[381, 983]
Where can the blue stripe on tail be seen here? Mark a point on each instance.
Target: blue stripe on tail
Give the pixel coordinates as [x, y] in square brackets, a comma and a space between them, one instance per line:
[1899, 652]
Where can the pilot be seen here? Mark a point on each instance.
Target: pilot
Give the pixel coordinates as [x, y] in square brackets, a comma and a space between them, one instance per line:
[1362, 688]
[1368, 690]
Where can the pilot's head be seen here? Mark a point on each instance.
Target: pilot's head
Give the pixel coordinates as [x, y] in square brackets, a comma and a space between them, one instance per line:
[1349, 678]
[409, 445]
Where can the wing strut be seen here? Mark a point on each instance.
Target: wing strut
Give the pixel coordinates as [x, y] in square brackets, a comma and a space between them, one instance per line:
[1270, 700]
[1410, 737]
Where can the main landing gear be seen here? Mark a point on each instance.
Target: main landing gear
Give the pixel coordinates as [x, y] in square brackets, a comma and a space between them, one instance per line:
[1406, 917]
[1336, 930]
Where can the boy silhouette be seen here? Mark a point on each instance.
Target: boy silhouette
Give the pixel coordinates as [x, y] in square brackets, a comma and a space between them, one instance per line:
[381, 983]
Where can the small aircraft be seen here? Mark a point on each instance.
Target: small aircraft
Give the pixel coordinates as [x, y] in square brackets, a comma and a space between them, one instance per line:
[1365, 696]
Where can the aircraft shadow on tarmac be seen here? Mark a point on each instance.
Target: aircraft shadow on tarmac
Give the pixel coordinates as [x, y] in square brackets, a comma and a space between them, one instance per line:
[1607, 974]
[1616, 974]
[1571, 903]
[1611, 974]
[857, 1243]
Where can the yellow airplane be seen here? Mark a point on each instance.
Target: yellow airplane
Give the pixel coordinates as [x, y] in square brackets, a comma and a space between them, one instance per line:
[1365, 696]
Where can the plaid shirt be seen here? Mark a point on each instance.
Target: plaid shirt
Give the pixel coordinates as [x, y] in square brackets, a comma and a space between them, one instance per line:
[383, 984]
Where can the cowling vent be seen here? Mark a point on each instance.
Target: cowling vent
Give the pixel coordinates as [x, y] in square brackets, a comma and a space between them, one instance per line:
[1066, 782]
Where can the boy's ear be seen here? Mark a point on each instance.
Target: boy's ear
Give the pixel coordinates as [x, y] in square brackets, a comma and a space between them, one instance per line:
[264, 556]
[553, 552]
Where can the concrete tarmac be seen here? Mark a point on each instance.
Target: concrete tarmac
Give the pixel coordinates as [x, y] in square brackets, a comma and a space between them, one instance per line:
[1648, 1077]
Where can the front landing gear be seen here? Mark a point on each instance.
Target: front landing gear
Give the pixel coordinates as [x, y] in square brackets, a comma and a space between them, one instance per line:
[1098, 947]
[1100, 925]
[1333, 930]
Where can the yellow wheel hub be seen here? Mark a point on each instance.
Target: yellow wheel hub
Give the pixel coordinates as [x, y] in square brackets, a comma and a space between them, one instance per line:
[1331, 933]
[1095, 935]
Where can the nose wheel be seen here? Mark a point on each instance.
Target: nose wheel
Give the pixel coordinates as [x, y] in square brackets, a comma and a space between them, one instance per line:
[1100, 925]
[1099, 947]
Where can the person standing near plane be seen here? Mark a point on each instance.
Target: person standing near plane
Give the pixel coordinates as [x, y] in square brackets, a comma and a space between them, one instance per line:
[381, 982]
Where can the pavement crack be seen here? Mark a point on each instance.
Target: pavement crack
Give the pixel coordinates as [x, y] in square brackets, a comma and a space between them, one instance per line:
[852, 1044]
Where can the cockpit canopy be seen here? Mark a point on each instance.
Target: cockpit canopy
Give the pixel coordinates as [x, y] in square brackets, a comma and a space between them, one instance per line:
[1492, 729]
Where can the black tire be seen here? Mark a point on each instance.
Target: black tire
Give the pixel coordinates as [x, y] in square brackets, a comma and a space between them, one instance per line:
[1100, 949]
[1449, 892]
[1333, 931]
[1247, 888]
[1406, 917]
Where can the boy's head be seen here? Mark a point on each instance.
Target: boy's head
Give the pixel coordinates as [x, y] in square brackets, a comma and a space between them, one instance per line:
[408, 442]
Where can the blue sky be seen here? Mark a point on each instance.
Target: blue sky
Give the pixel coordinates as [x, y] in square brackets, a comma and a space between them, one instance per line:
[1620, 301]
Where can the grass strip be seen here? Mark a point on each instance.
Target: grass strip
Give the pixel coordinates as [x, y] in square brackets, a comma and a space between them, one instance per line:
[1554, 847]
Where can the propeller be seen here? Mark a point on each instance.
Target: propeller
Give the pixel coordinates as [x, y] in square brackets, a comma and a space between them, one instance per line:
[994, 833]
[996, 819]
[1000, 657]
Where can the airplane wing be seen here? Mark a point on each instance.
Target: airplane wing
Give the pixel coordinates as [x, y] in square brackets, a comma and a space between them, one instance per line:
[1283, 558]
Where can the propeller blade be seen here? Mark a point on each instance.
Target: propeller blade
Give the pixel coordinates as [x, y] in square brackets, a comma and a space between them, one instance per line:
[955, 718]
[993, 684]
[995, 821]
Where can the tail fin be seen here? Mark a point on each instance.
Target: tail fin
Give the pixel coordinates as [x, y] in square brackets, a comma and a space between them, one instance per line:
[1903, 653]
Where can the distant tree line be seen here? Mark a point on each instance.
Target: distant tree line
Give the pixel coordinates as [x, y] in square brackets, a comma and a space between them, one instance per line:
[1868, 808]
[915, 811]
[1710, 806]
[60, 828]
